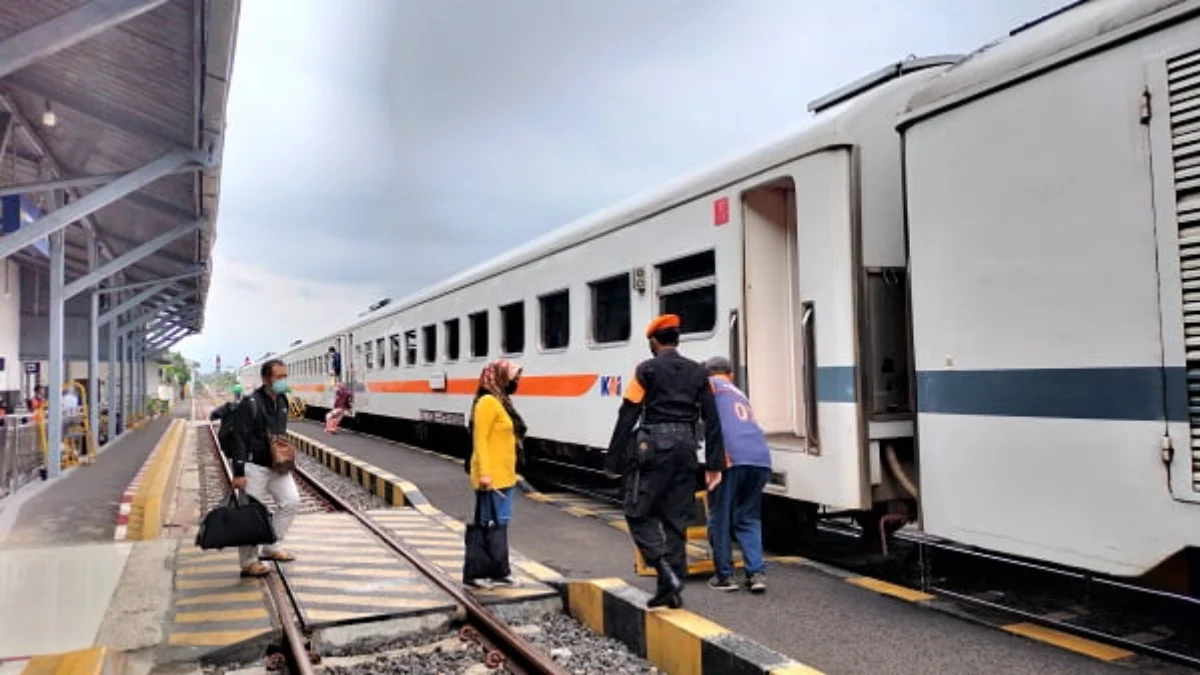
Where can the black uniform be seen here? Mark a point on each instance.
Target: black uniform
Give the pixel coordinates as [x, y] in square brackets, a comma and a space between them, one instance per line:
[658, 460]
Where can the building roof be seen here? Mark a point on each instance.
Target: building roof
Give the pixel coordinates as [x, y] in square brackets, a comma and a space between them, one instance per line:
[137, 79]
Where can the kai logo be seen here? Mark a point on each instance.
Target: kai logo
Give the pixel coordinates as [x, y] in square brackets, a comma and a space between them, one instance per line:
[610, 385]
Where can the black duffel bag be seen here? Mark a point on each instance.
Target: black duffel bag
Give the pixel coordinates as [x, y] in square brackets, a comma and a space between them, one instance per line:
[485, 546]
[240, 520]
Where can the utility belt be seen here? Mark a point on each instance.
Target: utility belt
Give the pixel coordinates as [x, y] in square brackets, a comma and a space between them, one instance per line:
[655, 438]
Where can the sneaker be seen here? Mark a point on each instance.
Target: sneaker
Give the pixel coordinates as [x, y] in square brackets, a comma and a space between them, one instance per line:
[481, 584]
[757, 583]
[504, 581]
[719, 584]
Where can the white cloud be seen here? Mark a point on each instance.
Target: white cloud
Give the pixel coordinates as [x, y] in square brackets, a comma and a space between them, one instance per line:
[263, 310]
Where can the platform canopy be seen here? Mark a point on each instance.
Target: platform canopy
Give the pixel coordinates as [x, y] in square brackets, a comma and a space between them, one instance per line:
[112, 115]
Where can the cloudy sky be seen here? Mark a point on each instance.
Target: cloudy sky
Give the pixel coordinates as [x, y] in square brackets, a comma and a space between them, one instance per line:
[376, 146]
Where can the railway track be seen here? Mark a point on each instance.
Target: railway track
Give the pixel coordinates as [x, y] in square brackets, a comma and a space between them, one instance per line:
[1141, 620]
[503, 647]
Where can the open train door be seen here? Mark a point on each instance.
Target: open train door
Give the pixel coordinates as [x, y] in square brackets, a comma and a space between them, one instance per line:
[352, 368]
[800, 336]
[1170, 109]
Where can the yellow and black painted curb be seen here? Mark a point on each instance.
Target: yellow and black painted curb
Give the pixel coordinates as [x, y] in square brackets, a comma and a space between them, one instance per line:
[676, 641]
[609, 515]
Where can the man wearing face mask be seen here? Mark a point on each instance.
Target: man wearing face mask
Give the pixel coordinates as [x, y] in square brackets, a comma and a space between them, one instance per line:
[261, 417]
[668, 394]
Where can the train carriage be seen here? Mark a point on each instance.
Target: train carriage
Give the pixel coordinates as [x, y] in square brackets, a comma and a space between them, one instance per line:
[962, 296]
[1051, 204]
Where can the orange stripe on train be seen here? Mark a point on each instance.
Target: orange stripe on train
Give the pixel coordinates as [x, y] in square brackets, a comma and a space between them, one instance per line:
[561, 386]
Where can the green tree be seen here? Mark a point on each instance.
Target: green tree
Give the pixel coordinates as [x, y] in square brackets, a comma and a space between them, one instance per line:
[177, 371]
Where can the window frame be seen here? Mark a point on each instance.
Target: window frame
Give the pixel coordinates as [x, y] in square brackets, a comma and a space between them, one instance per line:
[592, 342]
[690, 285]
[395, 344]
[504, 351]
[541, 334]
[487, 327]
[410, 336]
[457, 321]
[428, 358]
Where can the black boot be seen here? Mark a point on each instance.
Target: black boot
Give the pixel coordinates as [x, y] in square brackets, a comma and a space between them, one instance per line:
[669, 587]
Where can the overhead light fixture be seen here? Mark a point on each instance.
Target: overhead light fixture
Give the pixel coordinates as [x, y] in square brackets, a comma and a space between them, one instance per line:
[49, 119]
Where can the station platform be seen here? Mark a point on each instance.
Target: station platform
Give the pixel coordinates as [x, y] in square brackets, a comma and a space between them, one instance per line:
[62, 567]
[810, 614]
[81, 505]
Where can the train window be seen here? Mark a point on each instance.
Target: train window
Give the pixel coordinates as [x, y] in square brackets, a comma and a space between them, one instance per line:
[381, 350]
[451, 332]
[368, 357]
[410, 347]
[688, 287]
[555, 311]
[429, 342]
[610, 309]
[395, 345]
[479, 334]
[512, 325]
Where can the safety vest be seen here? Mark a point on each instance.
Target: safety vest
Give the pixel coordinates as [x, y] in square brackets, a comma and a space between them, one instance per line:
[745, 444]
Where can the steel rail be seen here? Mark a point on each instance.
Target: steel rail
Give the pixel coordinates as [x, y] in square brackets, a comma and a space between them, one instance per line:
[296, 650]
[529, 658]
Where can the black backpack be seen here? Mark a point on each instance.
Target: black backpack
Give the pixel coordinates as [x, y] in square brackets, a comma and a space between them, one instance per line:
[225, 414]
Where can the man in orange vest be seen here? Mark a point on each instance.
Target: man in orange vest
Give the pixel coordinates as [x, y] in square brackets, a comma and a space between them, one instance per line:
[668, 394]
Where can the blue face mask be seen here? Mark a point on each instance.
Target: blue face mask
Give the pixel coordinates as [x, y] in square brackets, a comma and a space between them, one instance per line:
[280, 386]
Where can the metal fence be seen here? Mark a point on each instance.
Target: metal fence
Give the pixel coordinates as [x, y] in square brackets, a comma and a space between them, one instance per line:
[20, 452]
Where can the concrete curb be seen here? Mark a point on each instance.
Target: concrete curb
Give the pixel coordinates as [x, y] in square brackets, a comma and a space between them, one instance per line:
[98, 660]
[674, 640]
[148, 502]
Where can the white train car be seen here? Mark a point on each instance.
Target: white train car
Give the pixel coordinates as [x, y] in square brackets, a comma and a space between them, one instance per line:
[790, 255]
[1053, 210]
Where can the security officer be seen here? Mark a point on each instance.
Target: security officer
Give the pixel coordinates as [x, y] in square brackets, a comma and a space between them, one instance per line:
[668, 394]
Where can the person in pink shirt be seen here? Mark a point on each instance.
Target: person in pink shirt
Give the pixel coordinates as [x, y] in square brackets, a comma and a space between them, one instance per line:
[342, 400]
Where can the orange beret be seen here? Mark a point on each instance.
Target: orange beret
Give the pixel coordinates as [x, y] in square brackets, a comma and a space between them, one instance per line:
[661, 322]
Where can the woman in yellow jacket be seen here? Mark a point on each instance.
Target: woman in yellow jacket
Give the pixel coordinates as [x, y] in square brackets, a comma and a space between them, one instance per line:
[497, 432]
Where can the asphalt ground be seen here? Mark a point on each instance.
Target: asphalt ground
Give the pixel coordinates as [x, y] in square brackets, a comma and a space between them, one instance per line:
[807, 614]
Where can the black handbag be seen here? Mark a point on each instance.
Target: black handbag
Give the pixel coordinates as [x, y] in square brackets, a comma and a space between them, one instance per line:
[239, 520]
[485, 547]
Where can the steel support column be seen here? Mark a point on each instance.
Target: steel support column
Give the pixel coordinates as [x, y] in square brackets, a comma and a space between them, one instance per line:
[58, 261]
[111, 385]
[93, 388]
[96, 200]
[67, 29]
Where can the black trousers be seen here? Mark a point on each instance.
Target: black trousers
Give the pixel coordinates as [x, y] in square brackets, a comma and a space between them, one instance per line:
[659, 503]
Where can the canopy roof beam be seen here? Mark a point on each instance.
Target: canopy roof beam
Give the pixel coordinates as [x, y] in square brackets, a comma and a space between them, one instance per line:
[67, 29]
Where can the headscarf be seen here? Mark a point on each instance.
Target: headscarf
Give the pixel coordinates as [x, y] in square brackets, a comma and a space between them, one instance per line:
[494, 379]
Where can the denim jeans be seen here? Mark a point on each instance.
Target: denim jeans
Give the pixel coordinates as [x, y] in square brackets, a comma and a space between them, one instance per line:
[735, 507]
[495, 505]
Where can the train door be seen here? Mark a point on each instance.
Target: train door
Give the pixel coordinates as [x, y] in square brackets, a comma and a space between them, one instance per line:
[801, 267]
[352, 368]
[1170, 110]
[770, 313]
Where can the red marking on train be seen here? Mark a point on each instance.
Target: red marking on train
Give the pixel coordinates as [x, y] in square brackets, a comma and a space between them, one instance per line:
[721, 211]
